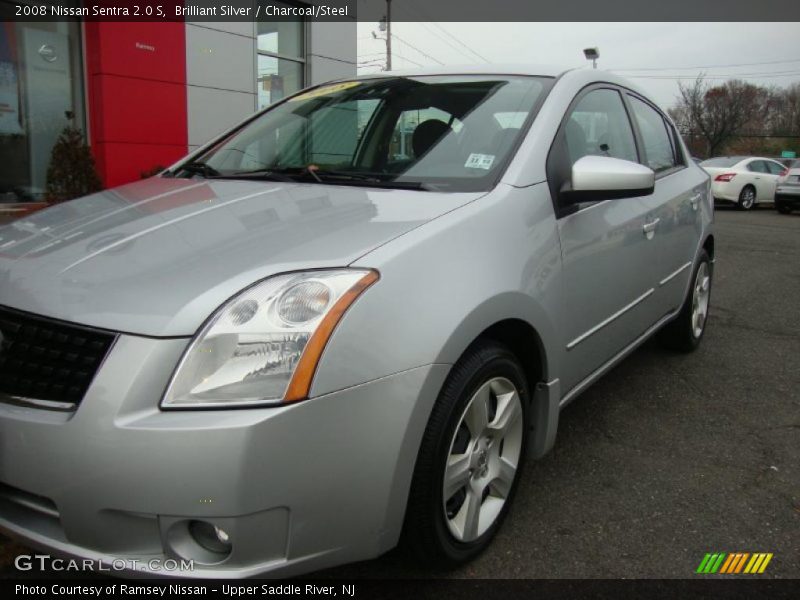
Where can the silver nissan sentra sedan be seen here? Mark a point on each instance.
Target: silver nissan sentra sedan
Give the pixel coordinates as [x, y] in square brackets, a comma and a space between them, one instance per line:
[344, 324]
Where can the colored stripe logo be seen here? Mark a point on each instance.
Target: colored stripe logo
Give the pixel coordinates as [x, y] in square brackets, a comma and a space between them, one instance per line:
[734, 563]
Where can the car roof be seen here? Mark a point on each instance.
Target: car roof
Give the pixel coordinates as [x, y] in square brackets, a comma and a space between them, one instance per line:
[739, 159]
[469, 69]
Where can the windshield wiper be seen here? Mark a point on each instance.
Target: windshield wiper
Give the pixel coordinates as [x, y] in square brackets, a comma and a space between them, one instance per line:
[307, 175]
[366, 179]
[199, 168]
[269, 174]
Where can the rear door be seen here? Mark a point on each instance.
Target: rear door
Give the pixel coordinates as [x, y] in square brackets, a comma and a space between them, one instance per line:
[675, 207]
[761, 179]
[775, 169]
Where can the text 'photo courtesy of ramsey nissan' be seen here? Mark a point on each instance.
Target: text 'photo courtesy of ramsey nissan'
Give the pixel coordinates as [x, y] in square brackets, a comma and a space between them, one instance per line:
[391, 298]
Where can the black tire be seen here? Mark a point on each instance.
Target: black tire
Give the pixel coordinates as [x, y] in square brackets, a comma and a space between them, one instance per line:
[426, 535]
[679, 334]
[744, 203]
[782, 207]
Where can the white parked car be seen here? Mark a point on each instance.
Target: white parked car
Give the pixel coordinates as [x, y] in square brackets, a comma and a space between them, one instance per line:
[744, 180]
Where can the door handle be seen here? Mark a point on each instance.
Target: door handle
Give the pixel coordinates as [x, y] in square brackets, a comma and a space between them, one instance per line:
[695, 201]
[650, 228]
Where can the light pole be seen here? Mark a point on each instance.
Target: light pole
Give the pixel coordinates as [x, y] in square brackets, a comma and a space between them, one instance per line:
[592, 54]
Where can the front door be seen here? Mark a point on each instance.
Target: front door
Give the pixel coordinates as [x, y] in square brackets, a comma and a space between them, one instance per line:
[606, 289]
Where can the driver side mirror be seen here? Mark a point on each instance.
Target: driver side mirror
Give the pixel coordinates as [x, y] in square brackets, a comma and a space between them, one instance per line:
[597, 178]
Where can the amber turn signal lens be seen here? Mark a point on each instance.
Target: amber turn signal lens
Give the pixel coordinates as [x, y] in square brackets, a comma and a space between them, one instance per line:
[300, 385]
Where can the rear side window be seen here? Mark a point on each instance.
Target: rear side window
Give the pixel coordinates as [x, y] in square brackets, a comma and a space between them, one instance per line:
[658, 150]
[757, 166]
[775, 168]
[599, 125]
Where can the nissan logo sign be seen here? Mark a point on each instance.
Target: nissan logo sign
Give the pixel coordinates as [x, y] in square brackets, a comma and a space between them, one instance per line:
[48, 53]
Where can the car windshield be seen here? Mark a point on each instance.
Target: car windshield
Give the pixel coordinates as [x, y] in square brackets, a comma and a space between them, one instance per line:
[450, 133]
[722, 161]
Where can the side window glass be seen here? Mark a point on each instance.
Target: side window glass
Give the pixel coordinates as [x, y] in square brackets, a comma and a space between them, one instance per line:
[599, 125]
[775, 168]
[657, 145]
[757, 166]
[676, 145]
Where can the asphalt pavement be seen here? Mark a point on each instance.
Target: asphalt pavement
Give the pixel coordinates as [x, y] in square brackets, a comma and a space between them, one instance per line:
[669, 456]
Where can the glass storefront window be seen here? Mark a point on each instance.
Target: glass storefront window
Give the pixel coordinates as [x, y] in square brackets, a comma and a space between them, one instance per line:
[281, 59]
[41, 93]
[281, 37]
[277, 78]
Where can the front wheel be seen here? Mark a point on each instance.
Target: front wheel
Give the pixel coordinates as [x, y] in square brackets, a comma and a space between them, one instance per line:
[747, 197]
[782, 207]
[470, 459]
[686, 330]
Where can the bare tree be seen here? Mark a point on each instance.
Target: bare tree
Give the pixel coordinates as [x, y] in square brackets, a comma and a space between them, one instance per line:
[785, 116]
[717, 114]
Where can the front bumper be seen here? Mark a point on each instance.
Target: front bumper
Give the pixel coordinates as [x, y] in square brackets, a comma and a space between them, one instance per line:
[297, 488]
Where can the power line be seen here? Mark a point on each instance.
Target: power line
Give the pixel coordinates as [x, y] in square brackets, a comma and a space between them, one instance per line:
[399, 39]
[759, 75]
[459, 51]
[381, 62]
[442, 29]
[426, 17]
[774, 62]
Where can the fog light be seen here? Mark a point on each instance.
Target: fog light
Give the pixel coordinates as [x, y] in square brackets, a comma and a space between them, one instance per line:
[210, 537]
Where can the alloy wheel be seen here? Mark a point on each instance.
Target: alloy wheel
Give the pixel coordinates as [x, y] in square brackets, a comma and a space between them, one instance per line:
[483, 459]
[748, 198]
[700, 297]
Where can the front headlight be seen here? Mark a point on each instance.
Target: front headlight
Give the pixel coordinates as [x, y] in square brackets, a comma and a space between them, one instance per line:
[263, 345]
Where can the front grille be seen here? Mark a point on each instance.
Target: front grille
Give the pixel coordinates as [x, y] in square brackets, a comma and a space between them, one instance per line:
[48, 361]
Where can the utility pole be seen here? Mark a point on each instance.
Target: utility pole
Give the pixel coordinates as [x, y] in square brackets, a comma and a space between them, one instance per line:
[388, 35]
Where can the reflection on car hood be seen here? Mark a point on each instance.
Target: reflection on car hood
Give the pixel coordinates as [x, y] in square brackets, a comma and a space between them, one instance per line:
[157, 257]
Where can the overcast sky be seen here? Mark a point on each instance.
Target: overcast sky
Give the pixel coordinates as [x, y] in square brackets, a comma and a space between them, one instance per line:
[763, 53]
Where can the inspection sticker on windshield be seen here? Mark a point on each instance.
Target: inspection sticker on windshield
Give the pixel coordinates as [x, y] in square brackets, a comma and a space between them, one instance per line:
[479, 161]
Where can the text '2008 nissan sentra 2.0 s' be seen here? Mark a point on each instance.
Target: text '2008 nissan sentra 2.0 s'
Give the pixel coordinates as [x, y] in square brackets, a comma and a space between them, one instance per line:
[344, 324]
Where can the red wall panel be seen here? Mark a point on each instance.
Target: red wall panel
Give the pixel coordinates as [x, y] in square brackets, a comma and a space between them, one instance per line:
[124, 162]
[140, 111]
[136, 75]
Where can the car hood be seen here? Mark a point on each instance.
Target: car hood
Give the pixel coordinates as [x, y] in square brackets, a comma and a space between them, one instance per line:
[157, 257]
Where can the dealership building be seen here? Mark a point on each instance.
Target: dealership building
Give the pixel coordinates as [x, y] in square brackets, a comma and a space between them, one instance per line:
[146, 93]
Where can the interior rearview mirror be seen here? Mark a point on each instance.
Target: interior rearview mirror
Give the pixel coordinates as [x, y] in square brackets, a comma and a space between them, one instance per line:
[605, 178]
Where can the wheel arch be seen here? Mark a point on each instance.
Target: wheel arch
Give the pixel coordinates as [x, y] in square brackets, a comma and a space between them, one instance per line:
[708, 246]
[518, 321]
[514, 319]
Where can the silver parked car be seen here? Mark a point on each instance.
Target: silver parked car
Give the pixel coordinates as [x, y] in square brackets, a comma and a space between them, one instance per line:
[344, 324]
[787, 192]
